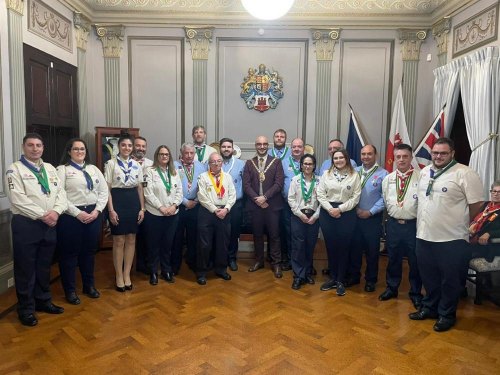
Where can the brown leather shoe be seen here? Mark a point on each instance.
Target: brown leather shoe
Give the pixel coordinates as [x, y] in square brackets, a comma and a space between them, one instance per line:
[277, 271]
[257, 266]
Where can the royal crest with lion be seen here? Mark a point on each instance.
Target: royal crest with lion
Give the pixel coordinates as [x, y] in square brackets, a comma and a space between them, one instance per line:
[262, 89]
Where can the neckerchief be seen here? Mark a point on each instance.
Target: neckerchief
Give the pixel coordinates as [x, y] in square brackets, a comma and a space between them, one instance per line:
[434, 176]
[189, 172]
[291, 163]
[340, 176]
[365, 176]
[489, 214]
[125, 169]
[90, 183]
[231, 167]
[40, 174]
[217, 184]
[200, 151]
[168, 185]
[402, 183]
[285, 150]
[307, 194]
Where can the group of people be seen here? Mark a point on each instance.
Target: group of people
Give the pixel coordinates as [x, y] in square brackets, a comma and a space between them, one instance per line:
[155, 206]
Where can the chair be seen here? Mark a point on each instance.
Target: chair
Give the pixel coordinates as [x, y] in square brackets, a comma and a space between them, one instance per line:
[482, 269]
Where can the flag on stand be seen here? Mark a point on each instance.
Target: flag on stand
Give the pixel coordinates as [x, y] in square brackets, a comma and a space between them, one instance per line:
[398, 133]
[423, 151]
[355, 139]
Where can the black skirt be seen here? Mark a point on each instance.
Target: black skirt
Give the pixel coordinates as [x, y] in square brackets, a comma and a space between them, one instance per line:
[127, 205]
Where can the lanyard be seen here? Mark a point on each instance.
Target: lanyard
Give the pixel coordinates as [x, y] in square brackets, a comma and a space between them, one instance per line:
[41, 175]
[90, 183]
[434, 176]
[168, 185]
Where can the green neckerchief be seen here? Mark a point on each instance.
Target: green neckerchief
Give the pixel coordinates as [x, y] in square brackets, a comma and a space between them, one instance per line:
[306, 195]
[296, 171]
[366, 175]
[168, 185]
[434, 176]
[401, 193]
[200, 151]
[283, 155]
[41, 174]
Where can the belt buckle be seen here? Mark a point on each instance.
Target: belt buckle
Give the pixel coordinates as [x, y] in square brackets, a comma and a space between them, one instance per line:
[400, 221]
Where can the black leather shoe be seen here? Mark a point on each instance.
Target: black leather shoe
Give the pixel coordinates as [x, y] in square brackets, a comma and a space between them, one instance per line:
[310, 280]
[233, 266]
[330, 284]
[443, 325]
[50, 308]
[91, 292]
[201, 280]
[387, 295]
[286, 266]
[369, 287]
[169, 278]
[417, 302]
[129, 287]
[224, 276]
[72, 298]
[120, 289]
[28, 320]
[351, 282]
[153, 279]
[422, 314]
[314, 272]
[297, 283]
[277, 271]
[257, 266]
[325, 271]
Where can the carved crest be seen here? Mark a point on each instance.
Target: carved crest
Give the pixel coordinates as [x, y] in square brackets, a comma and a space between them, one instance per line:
[262, 89]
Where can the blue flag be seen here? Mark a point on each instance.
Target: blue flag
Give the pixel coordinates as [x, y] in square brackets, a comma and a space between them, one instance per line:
[355, 141]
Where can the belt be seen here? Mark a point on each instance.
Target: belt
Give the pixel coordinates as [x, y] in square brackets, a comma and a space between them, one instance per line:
[403, 221]
[308, 212]
[220, 206]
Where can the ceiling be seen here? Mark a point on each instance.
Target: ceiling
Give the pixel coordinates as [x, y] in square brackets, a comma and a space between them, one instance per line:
[330, 13]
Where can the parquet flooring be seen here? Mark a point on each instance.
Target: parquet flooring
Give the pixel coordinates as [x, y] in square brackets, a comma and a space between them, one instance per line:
[254, 324]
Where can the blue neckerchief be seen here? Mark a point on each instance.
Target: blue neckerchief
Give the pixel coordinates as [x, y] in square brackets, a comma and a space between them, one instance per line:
[126, 171]
[40, 174]
[90, 183]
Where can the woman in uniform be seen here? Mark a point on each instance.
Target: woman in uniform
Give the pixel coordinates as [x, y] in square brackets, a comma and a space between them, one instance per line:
[163, 195]
[78, 228]
[339, 191]
[126, 208]
[304, 221]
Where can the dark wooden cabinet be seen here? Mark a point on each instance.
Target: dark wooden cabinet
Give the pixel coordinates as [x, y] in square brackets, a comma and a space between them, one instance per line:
[51, 101]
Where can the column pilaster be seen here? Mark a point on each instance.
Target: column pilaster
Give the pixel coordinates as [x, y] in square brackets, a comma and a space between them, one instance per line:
[440, 31]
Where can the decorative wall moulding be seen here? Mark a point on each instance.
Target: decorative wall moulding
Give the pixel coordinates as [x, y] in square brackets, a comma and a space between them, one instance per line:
[50, 25]
[476, 31]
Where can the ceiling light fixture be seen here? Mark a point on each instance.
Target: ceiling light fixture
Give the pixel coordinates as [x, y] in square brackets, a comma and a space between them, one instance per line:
[267, 9]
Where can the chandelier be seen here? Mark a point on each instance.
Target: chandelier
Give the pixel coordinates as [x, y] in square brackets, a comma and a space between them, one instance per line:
[267, 9]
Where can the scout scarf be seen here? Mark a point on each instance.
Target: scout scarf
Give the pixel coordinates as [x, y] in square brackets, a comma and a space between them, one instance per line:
[402, 183]
[90, 183]
[200, 151]
[168, 185]
[489, 214]
[291, 163]
[125, 169]
[365, 176]
[40, 174]
[434, 176]
[307, 193]
[284, 152]
[217, 184]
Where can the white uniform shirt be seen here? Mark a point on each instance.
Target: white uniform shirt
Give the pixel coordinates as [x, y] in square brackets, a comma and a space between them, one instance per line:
[331, 190]
[25, 193]
[115, 176]
[155, 192]
[443, 215]
[75, 184]
[408, 209]
[207, 195]
[296, 200]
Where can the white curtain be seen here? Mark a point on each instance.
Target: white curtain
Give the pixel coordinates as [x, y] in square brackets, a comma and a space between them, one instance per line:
[446, 91]
[480, 87]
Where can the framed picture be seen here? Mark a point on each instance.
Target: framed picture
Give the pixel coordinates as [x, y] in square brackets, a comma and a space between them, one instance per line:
[476, 31]
[106, 144]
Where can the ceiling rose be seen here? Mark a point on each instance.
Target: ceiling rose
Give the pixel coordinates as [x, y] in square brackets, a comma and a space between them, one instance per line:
[267, 9]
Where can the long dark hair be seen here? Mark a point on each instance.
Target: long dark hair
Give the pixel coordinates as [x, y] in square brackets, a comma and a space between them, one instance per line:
[65, 158]
[347, 158]
[170, 164]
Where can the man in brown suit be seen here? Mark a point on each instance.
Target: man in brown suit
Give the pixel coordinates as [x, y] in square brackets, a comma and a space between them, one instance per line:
[262, 183]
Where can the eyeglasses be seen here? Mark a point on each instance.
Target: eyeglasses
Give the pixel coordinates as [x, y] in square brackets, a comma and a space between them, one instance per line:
[338, 158]
[443, 153]
[495, 191]
[214, 162]
[163, 155]
[78, 149]
[262, 144]
[308, 164]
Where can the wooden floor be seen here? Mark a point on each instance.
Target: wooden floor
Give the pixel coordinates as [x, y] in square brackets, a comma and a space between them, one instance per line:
[254, 324]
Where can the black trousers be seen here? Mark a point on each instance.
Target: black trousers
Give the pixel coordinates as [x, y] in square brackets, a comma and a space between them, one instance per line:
[34, 244]
[286, 232]
[269, 220]
[366, 240]
[442, 266]
[212, 232]
[141, 249]
[304, 237]
[160, 234]
[236, 221]
[338, 234]
[188, 226]
[401, 241]
[76, 247]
